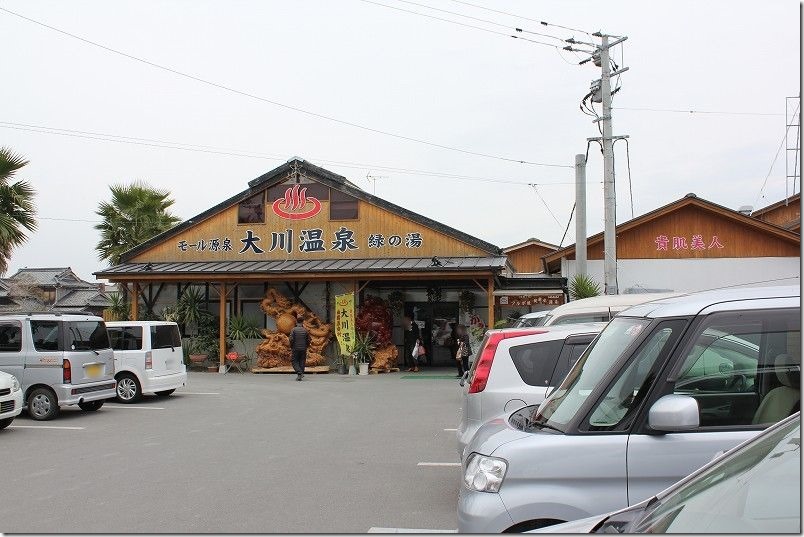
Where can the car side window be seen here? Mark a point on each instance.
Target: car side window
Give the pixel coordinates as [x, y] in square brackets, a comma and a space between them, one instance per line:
[125, 338]
[619, 404]
[569, 355]
[535, 362]
[583, 318]
[743, 368]
[45, 336]
[10, 337]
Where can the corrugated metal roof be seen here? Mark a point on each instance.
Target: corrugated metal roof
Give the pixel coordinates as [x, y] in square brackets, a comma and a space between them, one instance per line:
[320, 265]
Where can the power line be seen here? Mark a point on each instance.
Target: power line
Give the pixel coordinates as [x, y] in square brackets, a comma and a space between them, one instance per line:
[569, 221]
[458, 23]
[536, 190]
[147, 142]
[775, 157]
[680, 111]
[481, 20]
[543, 23]
[279, 104]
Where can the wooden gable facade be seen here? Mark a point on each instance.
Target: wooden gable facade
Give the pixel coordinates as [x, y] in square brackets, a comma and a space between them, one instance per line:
[690, 228]
[526, 257]
[785, 213]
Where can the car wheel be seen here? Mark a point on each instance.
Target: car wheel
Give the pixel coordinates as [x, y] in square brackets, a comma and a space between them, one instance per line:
[90, 406]
[42, 404]
[128, 388]
[5, 423]
[165, 393]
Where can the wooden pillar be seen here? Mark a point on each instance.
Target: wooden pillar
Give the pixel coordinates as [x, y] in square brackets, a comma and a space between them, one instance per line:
[135, 302]
[490, 291]
[222, 323]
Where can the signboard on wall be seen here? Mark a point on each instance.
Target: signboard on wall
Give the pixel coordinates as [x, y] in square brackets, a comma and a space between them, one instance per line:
[530, 300]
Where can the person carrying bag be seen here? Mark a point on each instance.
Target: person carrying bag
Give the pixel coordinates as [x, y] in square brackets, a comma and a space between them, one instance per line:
[464, 350]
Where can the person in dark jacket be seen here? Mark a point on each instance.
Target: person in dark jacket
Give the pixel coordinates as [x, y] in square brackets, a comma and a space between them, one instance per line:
[463, 347]
[299, 341]
[412, 334]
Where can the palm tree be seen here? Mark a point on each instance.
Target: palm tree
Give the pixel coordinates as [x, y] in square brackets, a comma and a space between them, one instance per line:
[17, 209]
[136, 213]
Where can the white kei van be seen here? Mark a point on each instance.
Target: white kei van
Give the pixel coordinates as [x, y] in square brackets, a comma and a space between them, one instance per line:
[59, 359]
[148, 358]
[597, 309]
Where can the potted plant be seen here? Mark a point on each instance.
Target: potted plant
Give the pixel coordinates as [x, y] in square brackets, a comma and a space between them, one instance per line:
[466, 301]
[363, 350]
[241, 328]
[433, 294]
[118, 309]
[343, 366]
[396, 300]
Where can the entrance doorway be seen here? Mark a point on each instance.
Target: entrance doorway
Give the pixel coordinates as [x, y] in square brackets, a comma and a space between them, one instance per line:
[434, 320]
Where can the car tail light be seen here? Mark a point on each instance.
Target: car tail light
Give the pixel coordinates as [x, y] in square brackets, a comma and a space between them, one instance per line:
[66, 371]
[149, 360]
[483, 368]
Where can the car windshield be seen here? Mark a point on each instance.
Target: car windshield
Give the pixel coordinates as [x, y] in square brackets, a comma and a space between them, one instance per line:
[542, 321]
[562, 405]
[87, 336]
[755, 491]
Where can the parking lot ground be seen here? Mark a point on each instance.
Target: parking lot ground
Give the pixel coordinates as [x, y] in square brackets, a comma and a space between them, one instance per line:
[243, 453]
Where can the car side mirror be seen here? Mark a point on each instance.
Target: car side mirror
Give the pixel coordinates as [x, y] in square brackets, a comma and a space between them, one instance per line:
[673, 413]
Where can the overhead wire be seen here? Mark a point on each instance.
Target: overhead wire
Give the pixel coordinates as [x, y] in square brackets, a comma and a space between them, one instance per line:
[164, 144]
[681, 111]
[543, 23]
[459, 23]
[775, 158]
[283, 105]
[487, 21]
[549, 210]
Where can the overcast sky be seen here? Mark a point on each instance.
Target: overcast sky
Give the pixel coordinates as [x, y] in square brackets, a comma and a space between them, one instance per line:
[402, 73]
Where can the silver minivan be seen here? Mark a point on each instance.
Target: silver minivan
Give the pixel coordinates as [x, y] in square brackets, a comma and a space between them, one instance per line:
[663, 389]
[59, 359]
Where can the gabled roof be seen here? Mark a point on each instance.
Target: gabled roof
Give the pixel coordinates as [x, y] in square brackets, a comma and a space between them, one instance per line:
[82, 298]
[795, 198]
[530, 242]
[43, 276]
[325, 177]
[688, 200]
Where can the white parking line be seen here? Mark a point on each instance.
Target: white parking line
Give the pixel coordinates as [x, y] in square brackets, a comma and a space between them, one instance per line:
[407, 530]
[197, 393]
[46, 427]
[438, 464]
[450, 429]
[135, 407]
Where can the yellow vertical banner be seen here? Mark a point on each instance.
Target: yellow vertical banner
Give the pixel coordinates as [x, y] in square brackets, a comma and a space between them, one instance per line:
[345, 321]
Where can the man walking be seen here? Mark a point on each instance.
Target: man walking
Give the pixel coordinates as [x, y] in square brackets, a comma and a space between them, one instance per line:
[299, 341]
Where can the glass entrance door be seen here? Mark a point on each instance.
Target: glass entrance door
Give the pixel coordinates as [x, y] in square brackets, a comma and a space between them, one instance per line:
[436, 321]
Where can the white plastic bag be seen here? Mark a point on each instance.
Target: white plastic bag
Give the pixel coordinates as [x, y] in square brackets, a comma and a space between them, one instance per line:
[415, 353]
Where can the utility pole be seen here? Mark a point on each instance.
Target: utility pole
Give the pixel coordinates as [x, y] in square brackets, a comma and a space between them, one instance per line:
[580, 214]
[609, 193]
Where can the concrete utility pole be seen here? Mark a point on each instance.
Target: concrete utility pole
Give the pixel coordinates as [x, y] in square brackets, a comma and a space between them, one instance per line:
[580, 214]
[609, 193]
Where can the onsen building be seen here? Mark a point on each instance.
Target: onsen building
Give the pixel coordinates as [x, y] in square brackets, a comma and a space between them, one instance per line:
[310, 234]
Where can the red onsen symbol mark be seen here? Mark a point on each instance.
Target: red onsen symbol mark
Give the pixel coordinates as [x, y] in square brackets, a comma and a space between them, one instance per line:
[294, 206]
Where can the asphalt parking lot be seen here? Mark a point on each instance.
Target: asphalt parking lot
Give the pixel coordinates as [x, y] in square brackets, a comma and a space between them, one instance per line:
[243, 453]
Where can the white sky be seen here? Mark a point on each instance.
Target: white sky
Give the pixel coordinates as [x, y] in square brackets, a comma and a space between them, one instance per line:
[396, 72]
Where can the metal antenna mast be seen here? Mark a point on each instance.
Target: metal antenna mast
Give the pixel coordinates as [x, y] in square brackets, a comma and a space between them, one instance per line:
[792, 144]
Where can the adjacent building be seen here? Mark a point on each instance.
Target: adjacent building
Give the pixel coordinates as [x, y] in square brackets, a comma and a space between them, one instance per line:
[52, 289]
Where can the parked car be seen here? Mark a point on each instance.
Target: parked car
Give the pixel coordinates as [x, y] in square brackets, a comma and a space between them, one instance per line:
[518, 369]
[10, 398]
[530, 319]
[640, 409]
[59, 359]
[754, 488]
[148, 358]
[597, 309]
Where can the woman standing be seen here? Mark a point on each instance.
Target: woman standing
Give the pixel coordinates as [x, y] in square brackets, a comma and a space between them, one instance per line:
[464, 349]
[412, 335]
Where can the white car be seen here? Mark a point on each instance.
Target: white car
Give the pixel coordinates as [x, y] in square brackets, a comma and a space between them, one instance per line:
[10, 399]
[148, 358]
[517, 368]
[597, 309]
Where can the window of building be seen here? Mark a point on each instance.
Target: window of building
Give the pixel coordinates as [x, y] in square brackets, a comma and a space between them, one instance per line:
[342, 206]
[252, 210]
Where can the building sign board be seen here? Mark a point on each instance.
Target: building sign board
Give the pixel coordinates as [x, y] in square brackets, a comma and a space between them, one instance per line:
[344, 322]
[696, 242]
[530, 300]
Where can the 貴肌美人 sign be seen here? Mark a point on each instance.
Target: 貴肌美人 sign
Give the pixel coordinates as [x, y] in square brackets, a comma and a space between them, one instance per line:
[697, 242]
[344, 322]
[308, 240]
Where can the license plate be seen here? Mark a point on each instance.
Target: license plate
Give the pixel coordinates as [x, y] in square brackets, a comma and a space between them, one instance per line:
[94, 370]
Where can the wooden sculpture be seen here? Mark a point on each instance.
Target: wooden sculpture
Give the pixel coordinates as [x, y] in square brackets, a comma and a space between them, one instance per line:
[375, 317]
[275, 350]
